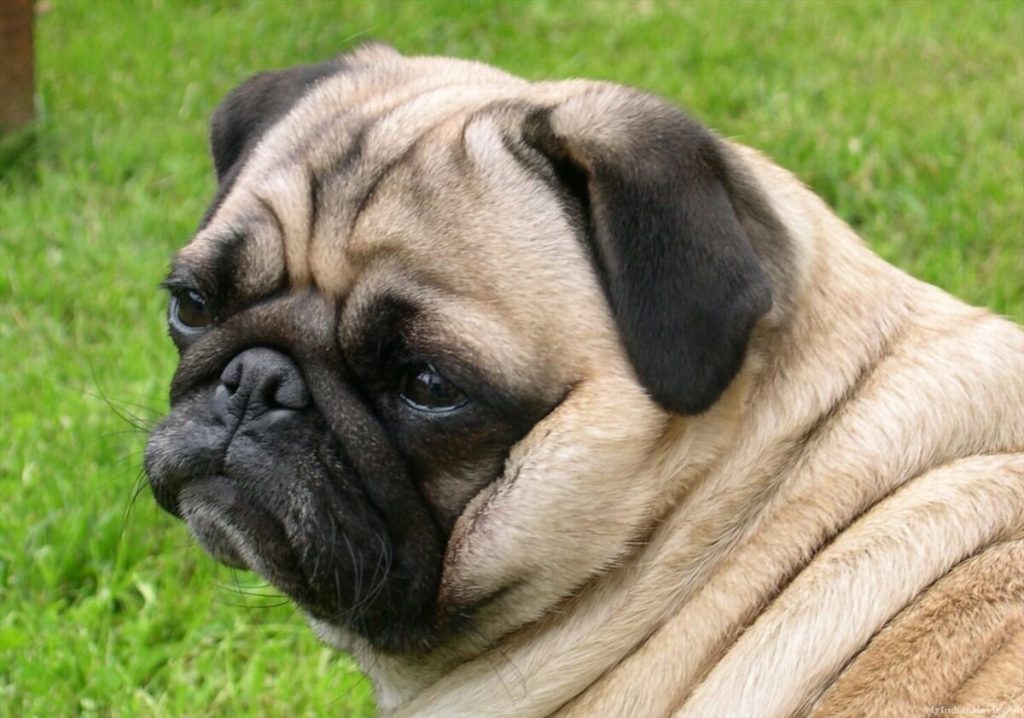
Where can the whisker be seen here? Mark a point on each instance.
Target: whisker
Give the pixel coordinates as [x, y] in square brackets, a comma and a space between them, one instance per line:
[139, 486]
[360, 681]
[384, 559]
[357, 608]
[248, 605]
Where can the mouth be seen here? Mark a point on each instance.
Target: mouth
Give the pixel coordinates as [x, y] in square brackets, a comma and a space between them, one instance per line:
[296, 509]
[315, 496]
[237, 532]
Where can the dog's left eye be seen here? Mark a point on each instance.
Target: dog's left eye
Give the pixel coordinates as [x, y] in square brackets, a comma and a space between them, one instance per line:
[423, 388]
[189, 310]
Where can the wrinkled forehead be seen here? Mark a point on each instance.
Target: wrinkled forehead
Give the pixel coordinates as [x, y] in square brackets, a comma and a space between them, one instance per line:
[366, 155]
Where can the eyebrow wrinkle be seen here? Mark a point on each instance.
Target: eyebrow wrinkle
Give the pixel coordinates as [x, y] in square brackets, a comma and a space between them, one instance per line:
[315, 188]
[212, 274]
[225, 261]
[316, 182]
[407, 153]
[342, 166]
[278, 224]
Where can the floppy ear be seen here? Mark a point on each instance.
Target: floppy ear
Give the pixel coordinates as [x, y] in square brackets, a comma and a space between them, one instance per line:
[258, 103]
[683, 281]
[254, 106]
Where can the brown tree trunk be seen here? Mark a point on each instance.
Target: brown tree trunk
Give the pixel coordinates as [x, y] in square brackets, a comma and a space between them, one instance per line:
[17, 64]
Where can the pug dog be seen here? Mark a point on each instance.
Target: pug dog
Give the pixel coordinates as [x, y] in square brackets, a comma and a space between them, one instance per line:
[542, 399]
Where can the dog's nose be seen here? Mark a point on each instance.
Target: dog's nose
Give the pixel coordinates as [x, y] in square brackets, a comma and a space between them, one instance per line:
[258, 381]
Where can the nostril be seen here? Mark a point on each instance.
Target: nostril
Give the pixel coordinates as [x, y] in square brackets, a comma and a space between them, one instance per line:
[291, 392]
[231, 377]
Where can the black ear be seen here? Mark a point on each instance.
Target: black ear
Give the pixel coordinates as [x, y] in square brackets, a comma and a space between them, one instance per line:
[258, 103]
[254, 106]
[681, 276]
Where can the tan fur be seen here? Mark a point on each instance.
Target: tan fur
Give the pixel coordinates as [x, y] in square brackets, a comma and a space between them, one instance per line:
[754, 559]
[970, 621]
[998, 683]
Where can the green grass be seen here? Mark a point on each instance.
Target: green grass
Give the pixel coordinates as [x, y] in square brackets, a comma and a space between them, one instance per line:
[906, 117]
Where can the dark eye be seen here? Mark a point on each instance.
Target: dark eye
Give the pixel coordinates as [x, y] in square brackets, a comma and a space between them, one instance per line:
[423, 388]
[189, 310]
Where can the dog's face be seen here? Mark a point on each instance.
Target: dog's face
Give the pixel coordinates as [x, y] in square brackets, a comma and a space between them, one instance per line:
[436, 329]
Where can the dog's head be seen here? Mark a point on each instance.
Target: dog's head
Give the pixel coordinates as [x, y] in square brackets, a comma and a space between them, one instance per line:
[433, 329]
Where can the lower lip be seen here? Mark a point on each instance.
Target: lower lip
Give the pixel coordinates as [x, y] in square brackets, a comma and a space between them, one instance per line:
[236, 531]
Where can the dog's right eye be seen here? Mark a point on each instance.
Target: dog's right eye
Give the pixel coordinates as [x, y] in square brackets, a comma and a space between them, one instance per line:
[189, 310]
[423, 388]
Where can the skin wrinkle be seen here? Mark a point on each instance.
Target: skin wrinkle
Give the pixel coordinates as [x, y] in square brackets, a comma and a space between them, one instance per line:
[812, 700]
[997, 682]
[706, 697]
[352, 170]
[269, 207]
[802, 447]
[870, 368]
[349, 161]
[923, 635]
[366, 198]
[314, 202]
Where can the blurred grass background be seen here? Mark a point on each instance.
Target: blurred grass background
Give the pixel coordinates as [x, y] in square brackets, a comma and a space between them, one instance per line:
[907, 117]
